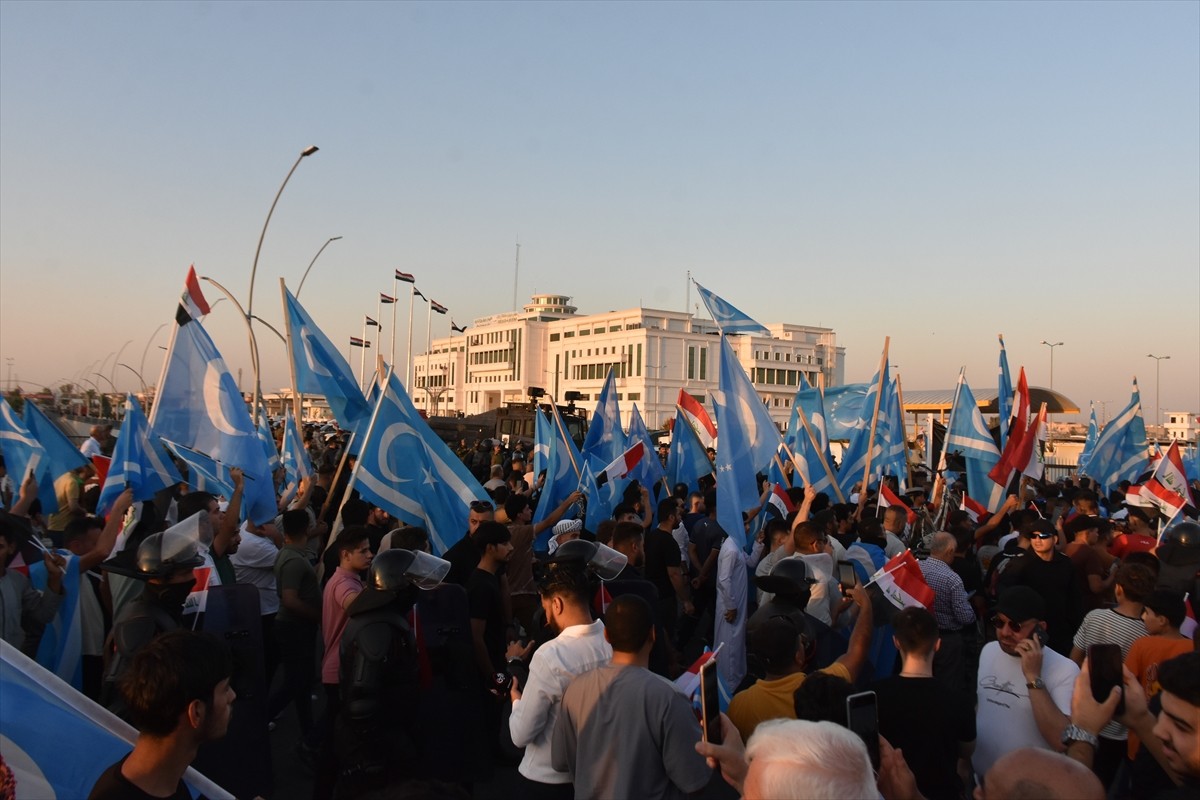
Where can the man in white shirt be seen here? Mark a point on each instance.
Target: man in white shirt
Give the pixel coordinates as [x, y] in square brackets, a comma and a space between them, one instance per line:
[579, 646]
[91, 445]
[254, 563]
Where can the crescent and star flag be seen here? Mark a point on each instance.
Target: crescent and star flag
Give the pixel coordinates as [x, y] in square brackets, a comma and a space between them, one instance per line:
[889, 499]
[543, 438]
[1120, 452]
[62, 455]
[749, 440]
[139, 462]
[199, 406]
[623, 464]
[898, 585]
[438, 307]
[386, 300]
[687, 462]
[649, 472]
[605, 439]
[844, 410]
[294, 456]
[728, 318]
[1004, 395]
[973, 510]
[22, 452]
[322, 369]
[1089, 442]
[562, 462]
[407, 470]
[404, 276]
[698, 419]
[968, 436]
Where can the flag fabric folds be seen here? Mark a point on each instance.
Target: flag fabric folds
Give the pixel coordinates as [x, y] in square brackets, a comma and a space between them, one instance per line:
[749, 440]
[844, 409]
[968, 435]
[407, 470]
[973, 509]
[321, 368]
[778, 502]
[22, 452]
[1004, 395]
[268, 443]
[698, 419]
[1089, 442]
[605, 439]
[61, 647]
[728, 318]
[1013, 456]
[623, 465]
[887, 449]
[649, 472]
[1031, 460]
[543, 436]
[199, 406]
[294, 457]
[204, 474]
[889, 499]
[897, 585]
[438, 307]
[61, 454]
[405, 277]
[687, 461]
[598, 506]
[563, 465]
[808, 455]
[1120, 452]
[386, 300]
[140, 461]
[193, 301]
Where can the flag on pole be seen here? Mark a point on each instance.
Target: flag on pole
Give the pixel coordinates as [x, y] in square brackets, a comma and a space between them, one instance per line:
[140, 461]
[1089, 442]
[623, 464]
[1004, 395]
[405, 277]
[778, 502]
[605, 439]
[268, 442]
[897, 585]
[729, 319]
[407, 470]
[61, 647]
[887, 449]
[1031, 460]
[889, 499]
[1155, 495]
[438, 307]
[844, 409]
[204, 474]
[357, 342]
[322, 369]
[386, 299]
[749, 440]
[1013, 457]
[649, 471]
[563, 465]
[543, 438]
[973, 509]
[417, 292]
[457, 328]
[62, 455]
[1172, 473]
[370, 322]
[193, 302]
[1120, 452]
[22, 452]
[969, 437]
[599, 507]
[687, 461]
[698, 419]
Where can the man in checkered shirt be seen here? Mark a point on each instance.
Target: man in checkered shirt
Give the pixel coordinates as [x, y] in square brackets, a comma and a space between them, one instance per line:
[951, 609]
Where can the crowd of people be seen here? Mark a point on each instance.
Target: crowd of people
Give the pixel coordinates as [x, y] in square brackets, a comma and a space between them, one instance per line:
[572, 662]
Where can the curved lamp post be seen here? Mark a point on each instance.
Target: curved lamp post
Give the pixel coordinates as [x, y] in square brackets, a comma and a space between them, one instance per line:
[1157, 403]
[310, 264]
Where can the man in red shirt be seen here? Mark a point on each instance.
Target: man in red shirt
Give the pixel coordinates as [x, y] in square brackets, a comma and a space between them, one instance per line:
[1138, 536]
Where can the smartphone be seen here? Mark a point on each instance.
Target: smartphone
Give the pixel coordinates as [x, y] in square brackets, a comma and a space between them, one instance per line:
[710, 702]
[862, 717]
[1104, 668]
[845, 575]
[1040, 634]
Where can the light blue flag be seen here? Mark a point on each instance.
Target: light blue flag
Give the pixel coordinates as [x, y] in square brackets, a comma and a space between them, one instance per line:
[808, 456]
[322, 369]
[598, 506]
[1089, 442]
[749, 440]
[22, 452]
[844, 410]
[61, 647]
[968, 436]
[62, 455]
[563, 465]
[296, 463]
[729, 319]
[1005, 398]
[854, 456]
[893, 459]
[140, 461]
[199, 406]
[1120, 452]
[268, 442]
[407, 470]
[204, 474]
[605, 440]
[649, 471]
[687, 462]
[543, 438]
[1191, 463]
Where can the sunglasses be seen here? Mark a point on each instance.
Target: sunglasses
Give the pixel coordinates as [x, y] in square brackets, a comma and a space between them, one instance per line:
[1001, 624]
[479, 506]
[1041, 536]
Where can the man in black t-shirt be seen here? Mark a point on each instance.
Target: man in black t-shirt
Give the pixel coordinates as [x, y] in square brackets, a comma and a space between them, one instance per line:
[486, 601]
[178, 694]
[663, 567]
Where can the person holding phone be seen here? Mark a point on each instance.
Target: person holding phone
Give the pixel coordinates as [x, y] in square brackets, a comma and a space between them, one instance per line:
[1024, 688]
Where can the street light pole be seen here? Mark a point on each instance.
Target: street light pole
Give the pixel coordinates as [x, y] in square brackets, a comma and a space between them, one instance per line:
[1157, 372]
[1051, 345]
[310, 264]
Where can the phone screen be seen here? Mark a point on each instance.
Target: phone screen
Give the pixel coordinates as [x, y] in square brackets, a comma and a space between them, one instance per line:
[1104, 667]
[846, 576]
[862, 717]
[710, 702]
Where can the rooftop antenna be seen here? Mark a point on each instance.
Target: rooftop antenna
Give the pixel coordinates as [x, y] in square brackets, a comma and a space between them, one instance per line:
[516, 272]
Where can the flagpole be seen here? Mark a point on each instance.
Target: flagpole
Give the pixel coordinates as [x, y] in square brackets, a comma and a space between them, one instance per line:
[162, 374]
[875, 420]
[362, 359]
[378, 324]
[562, 431]
[428, 349]
[358, 462]
[820, 454]
[408, 365]
[396, 295]
[904, 432]
[297, 401]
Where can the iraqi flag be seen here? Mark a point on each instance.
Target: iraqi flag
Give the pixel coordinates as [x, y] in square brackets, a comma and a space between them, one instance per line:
[1166, 501]
[778, 502]
[192, 302]
[688, 683]
[701, 423]
[973, 509]
[897, 585]
[101, 463]
[888, 499]
[623, 464]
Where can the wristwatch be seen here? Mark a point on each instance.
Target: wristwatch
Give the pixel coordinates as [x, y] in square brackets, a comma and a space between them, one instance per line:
[1036, 683]
[1074, 733]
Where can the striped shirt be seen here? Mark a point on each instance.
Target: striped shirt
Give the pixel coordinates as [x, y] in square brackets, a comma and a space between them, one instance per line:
[951, 608]
[1106, 626]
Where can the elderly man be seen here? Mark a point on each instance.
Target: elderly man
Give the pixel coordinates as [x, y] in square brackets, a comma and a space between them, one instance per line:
[92, 445]
[951, 608]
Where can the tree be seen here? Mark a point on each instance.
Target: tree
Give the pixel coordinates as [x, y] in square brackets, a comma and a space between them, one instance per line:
[16, 400]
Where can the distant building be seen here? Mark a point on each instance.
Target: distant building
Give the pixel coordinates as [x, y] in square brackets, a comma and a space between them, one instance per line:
[654, 352]
[1180, 426]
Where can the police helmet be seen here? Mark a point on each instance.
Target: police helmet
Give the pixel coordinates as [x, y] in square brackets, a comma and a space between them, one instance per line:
[162, 554]
[397, 569]
[600, 559]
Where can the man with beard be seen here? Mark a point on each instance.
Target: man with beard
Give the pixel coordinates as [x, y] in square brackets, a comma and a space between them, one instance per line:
[579, 646]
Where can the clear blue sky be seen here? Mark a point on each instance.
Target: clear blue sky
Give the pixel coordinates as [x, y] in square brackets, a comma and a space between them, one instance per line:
[936, 172]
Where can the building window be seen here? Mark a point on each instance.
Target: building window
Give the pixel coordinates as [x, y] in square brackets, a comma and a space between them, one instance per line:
[598, 330]
[639, 360]
[568, 334]
[585, 332]
[777, 356]
[634, 396]
[612, 328]
[691, 372]
[554, 337]
[703, 363]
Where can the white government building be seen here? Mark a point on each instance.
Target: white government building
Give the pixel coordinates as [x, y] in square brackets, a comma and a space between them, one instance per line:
[655, 354]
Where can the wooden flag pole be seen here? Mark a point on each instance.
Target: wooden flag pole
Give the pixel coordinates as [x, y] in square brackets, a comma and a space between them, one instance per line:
[820, 451]
[562, 431]
[874, 422]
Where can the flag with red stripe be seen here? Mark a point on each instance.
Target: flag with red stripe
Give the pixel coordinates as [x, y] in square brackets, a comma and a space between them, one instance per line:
[1010, 460]
[701, 423]
[1030, 460]
[192, 303]
[888, 499]
[1171, 474]
[623, 464]
[1167, 501]
[357, 342]
[438, 307]
[897, 585]
[386, 298]
[973, 509]
[404, 276]
[779, 502]
[371, 323]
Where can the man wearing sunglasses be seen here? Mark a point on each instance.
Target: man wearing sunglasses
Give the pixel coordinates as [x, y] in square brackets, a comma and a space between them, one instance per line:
[1051, 575]
[1024, 688]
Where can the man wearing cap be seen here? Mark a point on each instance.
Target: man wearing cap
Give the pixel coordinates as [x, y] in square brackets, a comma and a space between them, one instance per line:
[1050, 574]
[1138, 536]
[1024, 689]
